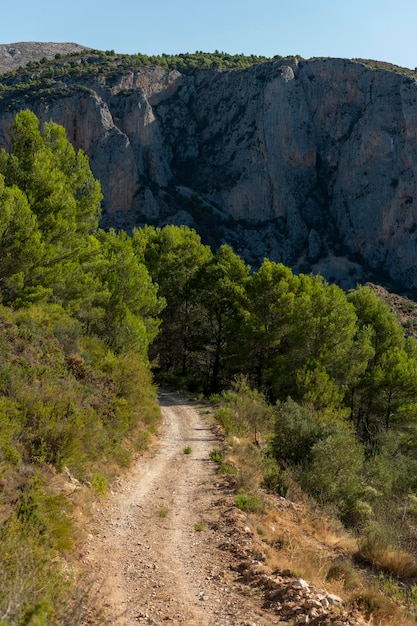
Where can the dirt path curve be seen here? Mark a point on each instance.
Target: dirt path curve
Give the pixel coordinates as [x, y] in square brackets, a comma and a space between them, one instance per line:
[157, 545]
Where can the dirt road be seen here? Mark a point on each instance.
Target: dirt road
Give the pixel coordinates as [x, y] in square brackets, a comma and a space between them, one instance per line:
[161, 546]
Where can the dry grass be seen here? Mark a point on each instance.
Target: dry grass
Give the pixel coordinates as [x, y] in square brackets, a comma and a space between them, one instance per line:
[311, 543]
[294, 542]
[393, 562]
[379, 608]
[324, 554]
[245, 457]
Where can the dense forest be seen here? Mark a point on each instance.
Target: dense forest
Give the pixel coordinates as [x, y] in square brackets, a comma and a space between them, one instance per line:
[325, 381]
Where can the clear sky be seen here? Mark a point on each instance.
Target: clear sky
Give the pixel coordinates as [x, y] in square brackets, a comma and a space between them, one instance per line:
[385, 30]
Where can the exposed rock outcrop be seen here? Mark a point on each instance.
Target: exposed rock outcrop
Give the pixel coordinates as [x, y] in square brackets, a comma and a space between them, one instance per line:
[14, 55]
[312, 163]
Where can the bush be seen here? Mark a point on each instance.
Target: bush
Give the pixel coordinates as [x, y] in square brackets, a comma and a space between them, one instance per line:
[227, 469]
[297, 429]
[249, 502]
[99, 484]
[10, 429]
[343, 570]
[249, 411]
[275, 479]
[227, 419]
[375, 549]
[249, 461]
[332, 474]
[31, 583]
[216, 456]
[47, 515]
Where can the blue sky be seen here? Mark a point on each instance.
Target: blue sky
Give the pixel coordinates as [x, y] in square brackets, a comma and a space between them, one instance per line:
[382, 30]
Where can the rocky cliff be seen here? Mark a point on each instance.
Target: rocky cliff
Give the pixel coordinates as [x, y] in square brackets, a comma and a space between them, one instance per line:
[312, 163]
[18, 54]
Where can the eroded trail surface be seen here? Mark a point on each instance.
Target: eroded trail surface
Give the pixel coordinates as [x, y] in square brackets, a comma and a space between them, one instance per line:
[162, 546]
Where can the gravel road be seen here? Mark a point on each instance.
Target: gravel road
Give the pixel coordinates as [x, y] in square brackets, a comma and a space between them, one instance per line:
[162, 546]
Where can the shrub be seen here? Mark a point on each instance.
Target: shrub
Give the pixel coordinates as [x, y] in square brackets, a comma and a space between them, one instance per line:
[249, 461]
[249, 411]
[32, 585]
[225, 417]
[216, 456]
[343, 570]
[10, 427]
[297, 429]
[99, 484]
[274, 479]
[47, 515]
[375, 549]
[227, 469]
[332, 474]
[249, 502]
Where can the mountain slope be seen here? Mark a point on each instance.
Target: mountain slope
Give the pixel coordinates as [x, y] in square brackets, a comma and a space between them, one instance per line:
[312, 163]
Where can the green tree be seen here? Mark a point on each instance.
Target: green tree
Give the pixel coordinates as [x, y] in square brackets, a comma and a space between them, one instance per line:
[223, 301]
[308, 336]
[63, 197]
[297, 429]
[333, 473]
[57, 181]
[271, 297]
[385, 395]
[174, 256]
[326, 322]
[84, 188]
[20, 242]
[130, 320]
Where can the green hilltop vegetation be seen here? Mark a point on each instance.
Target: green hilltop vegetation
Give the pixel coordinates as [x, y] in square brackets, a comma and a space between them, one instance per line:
[42, 79]
[59, 76]
[325, 381]
[98, 60]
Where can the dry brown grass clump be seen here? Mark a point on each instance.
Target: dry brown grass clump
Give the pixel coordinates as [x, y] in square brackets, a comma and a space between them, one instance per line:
[298, 536]
[397, 563]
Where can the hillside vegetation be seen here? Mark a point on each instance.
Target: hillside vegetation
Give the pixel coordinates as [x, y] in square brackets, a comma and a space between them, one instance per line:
[325, 382]
[59, 75]
[78, 311]
[47, 76]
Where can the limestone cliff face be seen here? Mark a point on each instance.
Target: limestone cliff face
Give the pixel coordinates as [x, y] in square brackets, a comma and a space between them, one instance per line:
[312, 163]
[14, 55]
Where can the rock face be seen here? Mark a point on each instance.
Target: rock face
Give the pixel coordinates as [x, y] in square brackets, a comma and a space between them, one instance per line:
[16, 54]
[312, 163]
